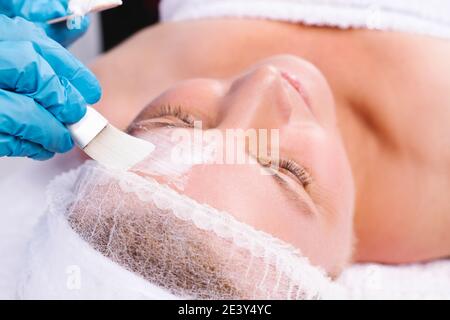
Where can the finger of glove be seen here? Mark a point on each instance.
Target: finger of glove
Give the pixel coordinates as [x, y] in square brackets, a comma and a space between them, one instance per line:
[62, 61]
[24, 118]
[67, 32]
[39, 10]
[23, 70]
[8, 7]
[11, 146]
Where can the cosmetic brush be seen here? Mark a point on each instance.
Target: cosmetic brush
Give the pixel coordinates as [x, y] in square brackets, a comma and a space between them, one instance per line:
[106, 144]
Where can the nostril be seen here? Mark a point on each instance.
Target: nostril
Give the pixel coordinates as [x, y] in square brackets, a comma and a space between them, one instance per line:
[297, 85]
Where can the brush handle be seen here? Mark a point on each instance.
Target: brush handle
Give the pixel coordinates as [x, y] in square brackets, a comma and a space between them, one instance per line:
[85, 130]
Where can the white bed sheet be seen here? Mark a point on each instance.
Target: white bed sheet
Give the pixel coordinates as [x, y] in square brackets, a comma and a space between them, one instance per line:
[22, 202]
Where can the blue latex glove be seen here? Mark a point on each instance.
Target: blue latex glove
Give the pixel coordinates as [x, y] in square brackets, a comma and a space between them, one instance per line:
[40, 11]
[42, 87]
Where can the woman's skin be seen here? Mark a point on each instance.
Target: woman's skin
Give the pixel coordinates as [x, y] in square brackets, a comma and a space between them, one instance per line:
[391, 98]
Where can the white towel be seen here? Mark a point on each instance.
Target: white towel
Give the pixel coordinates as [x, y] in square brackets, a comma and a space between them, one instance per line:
[429, 17]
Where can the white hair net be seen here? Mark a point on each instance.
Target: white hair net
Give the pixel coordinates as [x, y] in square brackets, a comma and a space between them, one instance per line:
[111, 234]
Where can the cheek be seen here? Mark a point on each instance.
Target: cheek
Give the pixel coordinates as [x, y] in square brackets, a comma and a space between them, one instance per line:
[334, 193]
[333, 169]
[322, 152]
[339, 178]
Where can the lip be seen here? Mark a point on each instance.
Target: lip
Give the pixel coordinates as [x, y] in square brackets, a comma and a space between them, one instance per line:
[297, 85]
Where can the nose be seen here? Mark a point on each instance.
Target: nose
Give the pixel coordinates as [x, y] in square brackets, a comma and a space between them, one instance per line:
[258, 99]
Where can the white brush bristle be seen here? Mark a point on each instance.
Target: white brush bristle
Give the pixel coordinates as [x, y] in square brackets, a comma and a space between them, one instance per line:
[83, 7]
[115, 149]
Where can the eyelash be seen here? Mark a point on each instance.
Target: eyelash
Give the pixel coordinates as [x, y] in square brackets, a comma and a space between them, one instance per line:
[177, 112]
[298, 171]
[289, 165]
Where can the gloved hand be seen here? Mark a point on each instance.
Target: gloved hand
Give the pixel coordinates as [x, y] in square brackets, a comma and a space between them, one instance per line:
[40, 11]
[42, 87]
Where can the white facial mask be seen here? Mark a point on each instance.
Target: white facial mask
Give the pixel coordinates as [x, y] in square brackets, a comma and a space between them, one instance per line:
[162, 164]
[187, 249]
[173, 157]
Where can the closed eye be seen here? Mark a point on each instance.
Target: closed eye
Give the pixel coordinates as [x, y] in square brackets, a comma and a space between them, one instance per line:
[165, 116]
[176, 112]
[290, 168]
[298, 171]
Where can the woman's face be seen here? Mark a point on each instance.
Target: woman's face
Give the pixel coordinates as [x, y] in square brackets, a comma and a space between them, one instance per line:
[306, 198]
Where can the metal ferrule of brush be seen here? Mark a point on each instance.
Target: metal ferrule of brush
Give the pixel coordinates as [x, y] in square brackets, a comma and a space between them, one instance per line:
[85, 130]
